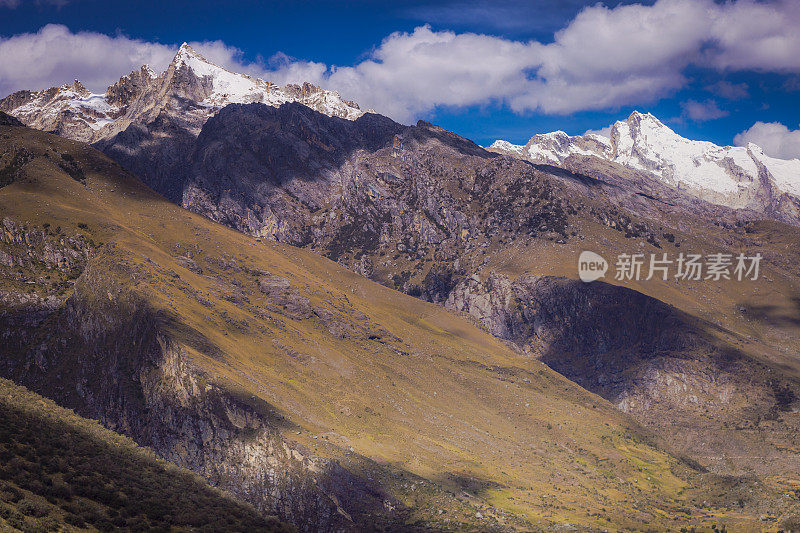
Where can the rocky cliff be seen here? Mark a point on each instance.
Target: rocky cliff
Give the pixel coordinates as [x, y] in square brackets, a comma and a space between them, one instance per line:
[648, 358]
[61, 472]
[114, 360]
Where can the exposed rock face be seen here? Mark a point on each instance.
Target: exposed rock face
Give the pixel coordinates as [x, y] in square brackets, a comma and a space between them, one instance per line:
[106, 354]
[125, 91]
[564, 322]
[386, 199]
[737, 177]
[70, 110]
[400, 204]
[273, 190]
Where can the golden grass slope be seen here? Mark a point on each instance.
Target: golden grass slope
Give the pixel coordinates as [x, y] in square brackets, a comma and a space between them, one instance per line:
[361, 371]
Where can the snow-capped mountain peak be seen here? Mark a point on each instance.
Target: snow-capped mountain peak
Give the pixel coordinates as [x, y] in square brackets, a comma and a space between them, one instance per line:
[198, 64]
[186, 53]
[735, 176]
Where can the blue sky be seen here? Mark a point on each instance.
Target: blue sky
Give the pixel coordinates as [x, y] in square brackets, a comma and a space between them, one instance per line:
[486, 70]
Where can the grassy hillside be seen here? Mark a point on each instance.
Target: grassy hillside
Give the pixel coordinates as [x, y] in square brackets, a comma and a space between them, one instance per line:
[454, 427]
[431, 214]
[58, 470]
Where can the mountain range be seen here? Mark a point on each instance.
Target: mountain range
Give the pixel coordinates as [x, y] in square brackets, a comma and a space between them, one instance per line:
[279, 358]
[733, 176]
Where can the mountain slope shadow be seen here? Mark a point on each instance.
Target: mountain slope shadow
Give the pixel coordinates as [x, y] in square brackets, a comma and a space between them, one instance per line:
[668, 369]
[156, 152]
[359, 370]
[290, 141]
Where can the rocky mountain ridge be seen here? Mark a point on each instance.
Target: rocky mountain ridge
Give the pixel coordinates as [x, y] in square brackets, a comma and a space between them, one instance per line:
[424, 211]
[191, 87]
[733, 176]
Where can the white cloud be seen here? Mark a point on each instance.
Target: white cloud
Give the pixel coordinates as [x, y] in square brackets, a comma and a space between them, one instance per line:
[602, 59]
[754, 35]
[410, 73]
[773, 137]
[610, 57]
[12, 4]
[703, 111]
[603, 132]
[54, 55]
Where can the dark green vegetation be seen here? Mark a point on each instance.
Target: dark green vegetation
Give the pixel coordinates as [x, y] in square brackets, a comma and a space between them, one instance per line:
[58, 469]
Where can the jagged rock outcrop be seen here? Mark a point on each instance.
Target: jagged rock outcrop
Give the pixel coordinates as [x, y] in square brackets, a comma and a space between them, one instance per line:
[416, 203]
[30, 247]
[71, 110]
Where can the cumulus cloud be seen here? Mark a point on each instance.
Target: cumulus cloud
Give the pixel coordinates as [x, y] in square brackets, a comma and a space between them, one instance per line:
[12, 4]
[603, 58]
[773, 137]
[610, 57]
[54, 55]
[761, 36]
[410, 73]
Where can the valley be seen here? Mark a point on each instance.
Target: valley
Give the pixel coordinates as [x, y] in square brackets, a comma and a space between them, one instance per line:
[359, 402]
[353, 324]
